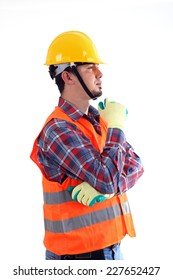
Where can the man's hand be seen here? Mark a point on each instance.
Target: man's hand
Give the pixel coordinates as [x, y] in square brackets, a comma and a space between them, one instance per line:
[87, 195]
[112, 112]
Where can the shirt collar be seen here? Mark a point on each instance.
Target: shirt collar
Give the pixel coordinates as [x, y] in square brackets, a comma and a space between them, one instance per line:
[74, 113]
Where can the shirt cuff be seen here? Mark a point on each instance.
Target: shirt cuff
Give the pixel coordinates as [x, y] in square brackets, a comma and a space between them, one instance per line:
[116, 135]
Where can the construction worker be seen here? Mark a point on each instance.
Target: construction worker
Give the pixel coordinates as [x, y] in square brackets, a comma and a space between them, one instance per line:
[86, 162]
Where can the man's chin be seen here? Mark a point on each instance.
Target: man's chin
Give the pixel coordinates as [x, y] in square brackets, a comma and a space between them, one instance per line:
[97, 94]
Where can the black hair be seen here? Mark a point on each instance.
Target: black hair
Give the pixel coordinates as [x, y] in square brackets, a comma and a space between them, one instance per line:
[58, 79]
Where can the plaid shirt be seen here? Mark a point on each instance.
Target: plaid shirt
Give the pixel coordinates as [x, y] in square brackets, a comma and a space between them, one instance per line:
[64, 151]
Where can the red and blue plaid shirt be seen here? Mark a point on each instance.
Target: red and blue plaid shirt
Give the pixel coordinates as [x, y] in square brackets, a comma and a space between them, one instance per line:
[64, 151]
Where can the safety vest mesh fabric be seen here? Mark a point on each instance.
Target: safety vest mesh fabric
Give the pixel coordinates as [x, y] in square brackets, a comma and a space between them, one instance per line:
[71, 227]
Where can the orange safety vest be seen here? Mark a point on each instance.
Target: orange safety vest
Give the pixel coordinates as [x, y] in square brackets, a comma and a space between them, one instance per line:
[71, 227]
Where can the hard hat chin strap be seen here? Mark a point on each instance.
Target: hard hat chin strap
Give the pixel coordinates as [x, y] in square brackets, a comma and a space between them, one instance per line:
[73, 67]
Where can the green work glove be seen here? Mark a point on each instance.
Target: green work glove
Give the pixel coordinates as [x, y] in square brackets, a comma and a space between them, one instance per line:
[112, 112]
[87, 195]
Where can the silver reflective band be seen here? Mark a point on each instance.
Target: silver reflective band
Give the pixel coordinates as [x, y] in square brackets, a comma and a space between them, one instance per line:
[56, 197]
[86, 219]
[125, 207]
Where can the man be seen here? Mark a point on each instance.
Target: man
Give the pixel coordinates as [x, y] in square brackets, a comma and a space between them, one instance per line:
[86, 162]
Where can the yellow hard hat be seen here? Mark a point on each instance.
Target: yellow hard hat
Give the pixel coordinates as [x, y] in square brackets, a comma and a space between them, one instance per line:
[72, 46]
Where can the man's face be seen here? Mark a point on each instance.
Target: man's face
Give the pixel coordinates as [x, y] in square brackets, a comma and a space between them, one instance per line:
[91, 76]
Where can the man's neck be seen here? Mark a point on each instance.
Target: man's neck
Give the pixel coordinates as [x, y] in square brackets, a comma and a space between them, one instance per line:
[80, 103]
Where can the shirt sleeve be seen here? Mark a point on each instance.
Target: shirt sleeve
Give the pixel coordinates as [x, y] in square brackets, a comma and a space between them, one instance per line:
[63, 151]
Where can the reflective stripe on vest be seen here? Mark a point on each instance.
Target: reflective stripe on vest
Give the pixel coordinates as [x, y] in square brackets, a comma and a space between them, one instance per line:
[87, 219]
[57, 197]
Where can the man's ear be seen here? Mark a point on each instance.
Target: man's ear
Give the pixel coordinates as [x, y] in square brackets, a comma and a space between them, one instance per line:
[67, 77]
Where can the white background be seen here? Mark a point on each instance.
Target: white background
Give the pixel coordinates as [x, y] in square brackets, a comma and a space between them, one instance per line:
[135, 38]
